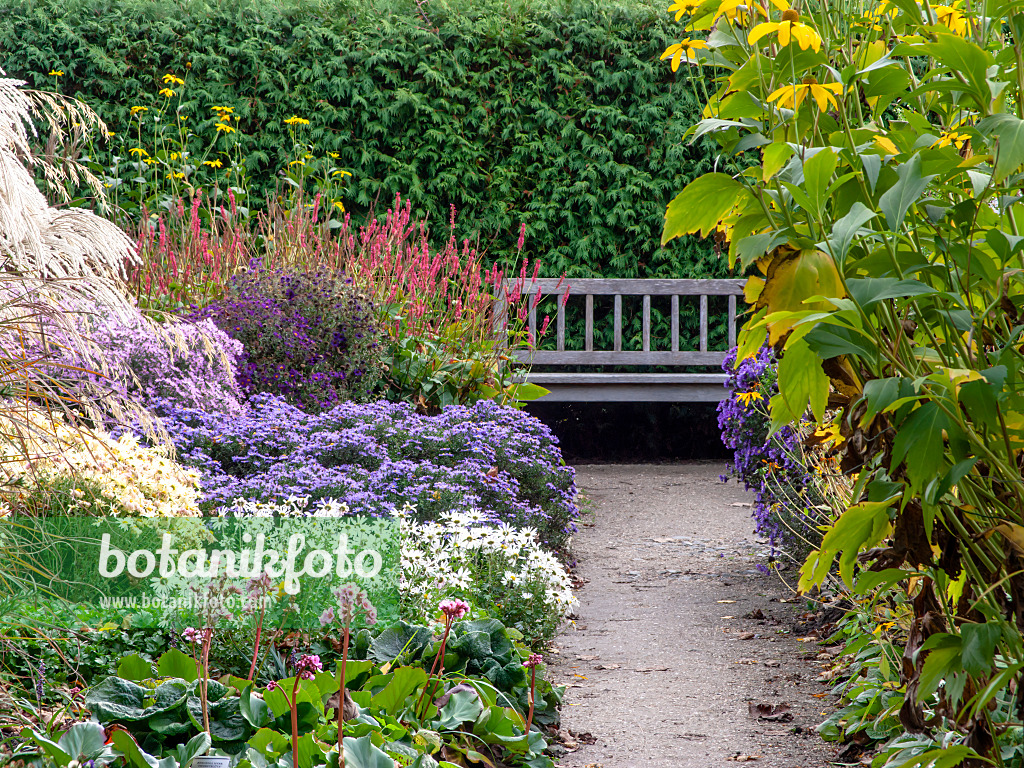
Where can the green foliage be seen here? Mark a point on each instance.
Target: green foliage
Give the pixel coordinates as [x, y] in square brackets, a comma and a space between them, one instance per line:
[556, 115]
[885, 218]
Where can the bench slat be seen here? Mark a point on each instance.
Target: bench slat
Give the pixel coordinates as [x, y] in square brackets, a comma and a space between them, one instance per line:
[560, 327]
[603, 357]
[647, 323]
[732, 322]
[675, 323]
[617, 338]
[557, 377]
[589, 333]
[703, 323]
[640, 287]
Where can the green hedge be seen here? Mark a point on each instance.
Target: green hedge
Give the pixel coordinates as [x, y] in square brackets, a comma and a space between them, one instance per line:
[559, 115]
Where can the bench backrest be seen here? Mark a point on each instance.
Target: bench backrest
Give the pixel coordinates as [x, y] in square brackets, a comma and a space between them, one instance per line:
[617, 288]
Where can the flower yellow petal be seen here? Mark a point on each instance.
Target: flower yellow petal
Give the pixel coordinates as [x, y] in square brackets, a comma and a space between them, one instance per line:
[762, 29]
[782, 5]
[886, 143]
[823, 97]
[786, 33]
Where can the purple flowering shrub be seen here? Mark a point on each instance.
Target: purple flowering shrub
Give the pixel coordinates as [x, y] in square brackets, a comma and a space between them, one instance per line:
[769, 465]
[191, 364]
[309, 337]
[377, 456]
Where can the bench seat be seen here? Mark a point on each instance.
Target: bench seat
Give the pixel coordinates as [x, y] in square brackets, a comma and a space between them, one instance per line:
[631, 387]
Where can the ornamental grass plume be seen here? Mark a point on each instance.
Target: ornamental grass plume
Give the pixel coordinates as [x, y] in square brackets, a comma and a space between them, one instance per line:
[53, 259]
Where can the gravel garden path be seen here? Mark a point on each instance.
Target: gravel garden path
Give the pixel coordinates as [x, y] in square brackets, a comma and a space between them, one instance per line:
[679, 637]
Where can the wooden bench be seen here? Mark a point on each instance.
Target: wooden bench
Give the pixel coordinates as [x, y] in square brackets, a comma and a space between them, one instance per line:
[629, 387]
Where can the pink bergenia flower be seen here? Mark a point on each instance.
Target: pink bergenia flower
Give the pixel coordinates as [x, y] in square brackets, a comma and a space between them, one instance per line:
[453, 609]
[308, 665]
[327, 617]
[533, 661]
[190, 634]
[271, 686]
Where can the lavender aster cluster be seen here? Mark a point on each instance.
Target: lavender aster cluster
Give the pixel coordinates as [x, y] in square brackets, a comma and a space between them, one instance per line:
[765, 463]
[310, 338]
[377, 456]
[190, 364]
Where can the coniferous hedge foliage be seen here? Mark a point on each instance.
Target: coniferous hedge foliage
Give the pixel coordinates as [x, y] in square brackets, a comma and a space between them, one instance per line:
[559, 115]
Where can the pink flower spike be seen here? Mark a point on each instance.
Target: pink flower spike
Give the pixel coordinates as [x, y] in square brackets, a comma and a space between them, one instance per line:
[533, 660]
[522, 236]
[453, 609]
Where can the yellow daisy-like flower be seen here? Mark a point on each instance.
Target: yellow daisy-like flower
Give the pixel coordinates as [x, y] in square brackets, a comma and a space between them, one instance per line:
[952, 18]
[213, 163]
[886, 144]
[138, 152]
[341, 173]
[682, 7]
[339, 206]
[683, 50]
[333, 155]
[788, 30]
[296, 162]
[166, 92]
[738, 10]
[149, 161]
[748, 397]
[223, 110]
[957, 140]
[178, 175]
[56, 73]
[791, 96]
[295, 120]
[169, 78]
[139, 110]
[221, 127]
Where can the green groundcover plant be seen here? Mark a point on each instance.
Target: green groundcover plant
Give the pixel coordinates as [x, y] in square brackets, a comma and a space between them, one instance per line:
[882, 210]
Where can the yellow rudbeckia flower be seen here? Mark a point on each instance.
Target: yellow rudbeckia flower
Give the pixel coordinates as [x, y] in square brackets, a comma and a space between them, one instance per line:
[957, 140]
[683, 50]
[139, 110]
[788, 30]
[952, 18]
[171, 79]
[166, 92]
[296, 120]
[682, 7]
[738, 10]
[791, 96]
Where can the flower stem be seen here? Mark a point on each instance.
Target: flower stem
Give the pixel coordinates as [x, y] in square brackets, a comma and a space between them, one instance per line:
[533, 685]
[341, 697]
[256, 648]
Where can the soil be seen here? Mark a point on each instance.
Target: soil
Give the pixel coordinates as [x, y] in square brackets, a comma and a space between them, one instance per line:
[679, 636]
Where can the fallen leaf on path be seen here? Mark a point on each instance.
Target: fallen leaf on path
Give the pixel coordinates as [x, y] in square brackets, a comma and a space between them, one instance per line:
[757, 613]
[607, 666]
[771, 663]
[588, 658]
[725, 601]
[745, 636]
[777, 713]
[724, 618]
[652, 669]
[808, 639]
[739, 758]
[663, 539]
[819, 695]
[740, 504]
[746, 661]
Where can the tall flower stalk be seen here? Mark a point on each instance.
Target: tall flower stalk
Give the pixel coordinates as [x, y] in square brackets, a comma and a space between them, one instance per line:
[305, 669]
[453, 610]
[350, 599]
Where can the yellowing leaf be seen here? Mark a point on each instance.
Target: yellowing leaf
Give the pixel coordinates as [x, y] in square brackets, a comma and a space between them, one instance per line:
[752, 289]
[1014, 534]
[794, 276]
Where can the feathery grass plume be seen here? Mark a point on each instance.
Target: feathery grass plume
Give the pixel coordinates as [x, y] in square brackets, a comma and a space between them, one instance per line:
[53, 262]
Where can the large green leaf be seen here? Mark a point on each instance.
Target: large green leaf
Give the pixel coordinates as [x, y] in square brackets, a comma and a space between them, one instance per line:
[115, 699]
[965, 58]
[904, 193]
[702, 205]
[818, 172]
[404, 638]
[868, 291]
[802, 382]
[1007, 131]
[920, 441]
[361, 753]
[848, 227]
[462, 707]
[862, 525]
[134, 667]
[979, 647]
[174, 663]
[404, 682]
[83, 741]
